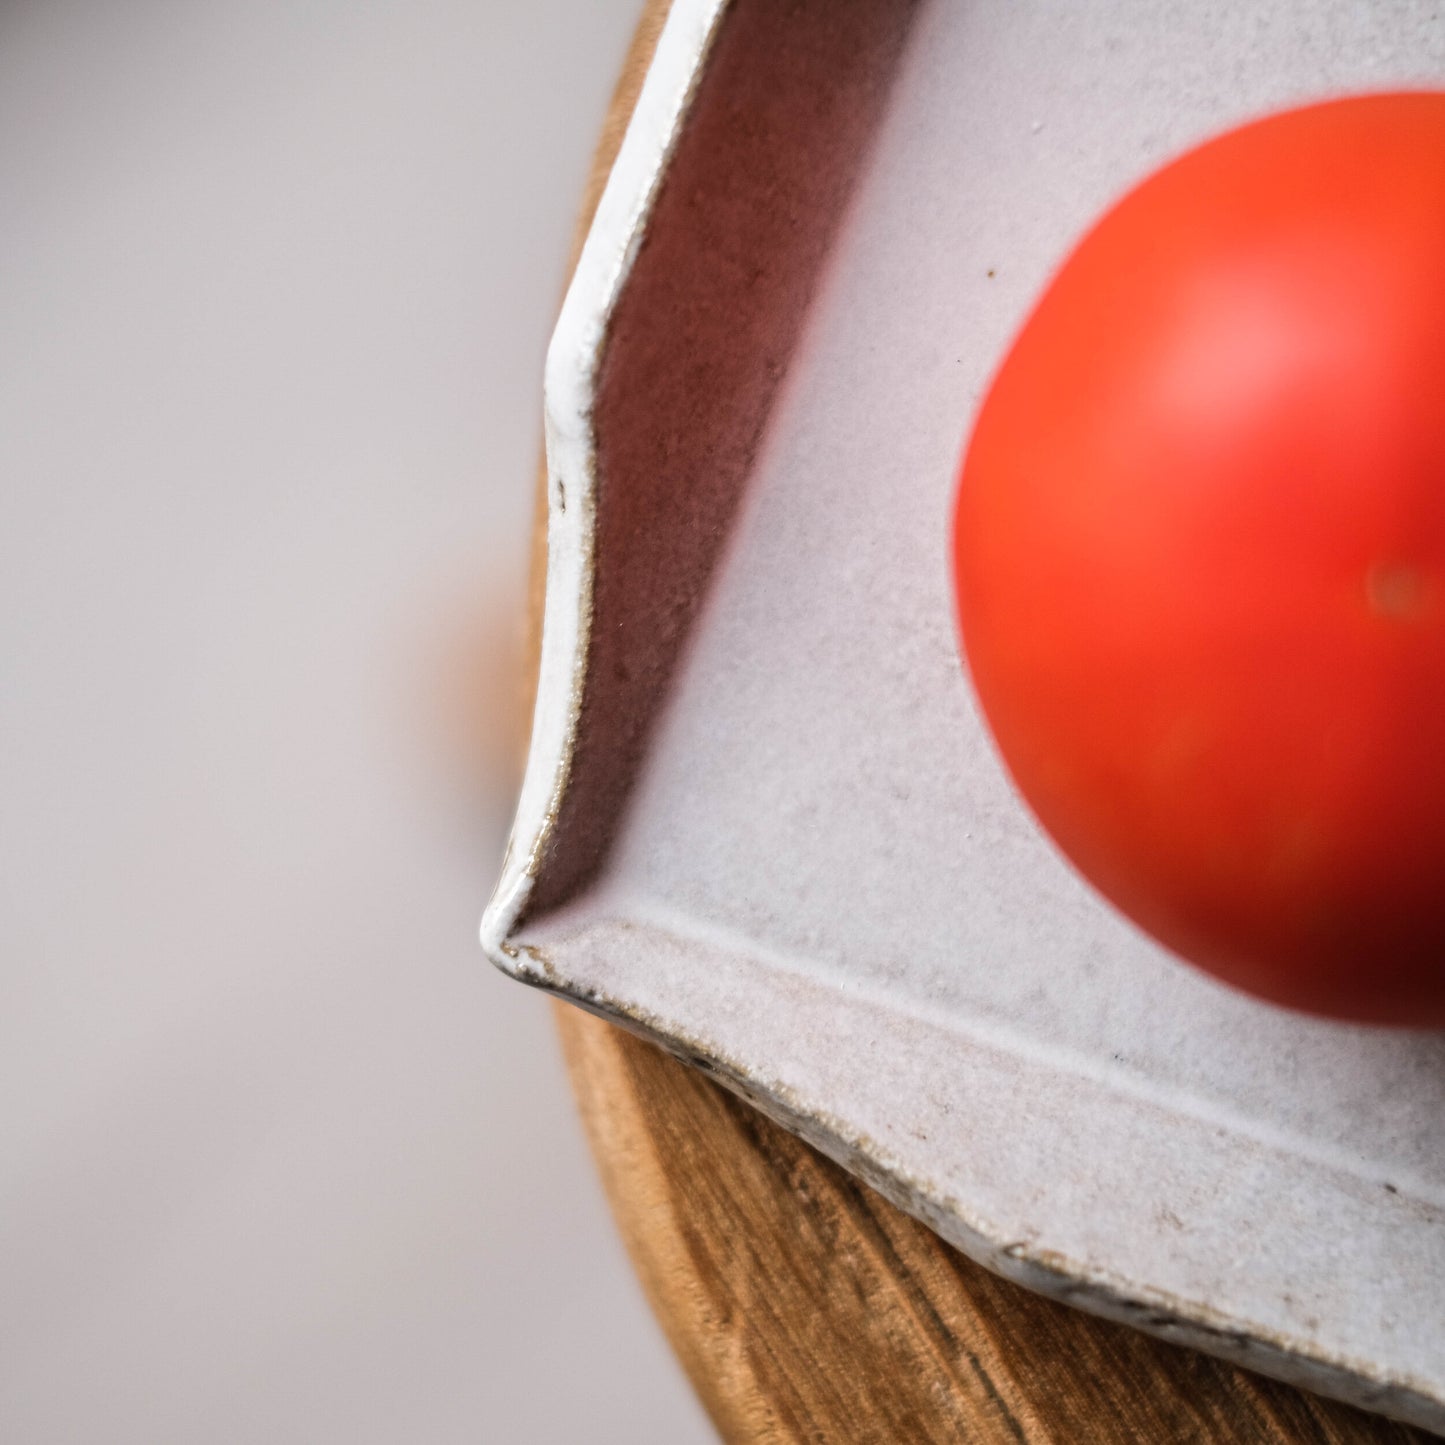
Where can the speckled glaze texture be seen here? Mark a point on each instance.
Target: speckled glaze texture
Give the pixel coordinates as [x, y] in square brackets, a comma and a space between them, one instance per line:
[761, 820]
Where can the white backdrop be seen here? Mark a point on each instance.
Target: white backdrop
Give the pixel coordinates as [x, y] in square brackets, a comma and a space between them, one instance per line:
[281, 1159]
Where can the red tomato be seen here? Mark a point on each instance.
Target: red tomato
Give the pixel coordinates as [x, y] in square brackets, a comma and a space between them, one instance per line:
[1200, 558]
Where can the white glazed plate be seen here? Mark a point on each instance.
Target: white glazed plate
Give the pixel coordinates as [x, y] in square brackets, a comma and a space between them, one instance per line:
[761, 821]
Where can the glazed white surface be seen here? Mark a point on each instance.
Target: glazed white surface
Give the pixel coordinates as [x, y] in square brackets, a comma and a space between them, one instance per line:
[572, 360]
[824, 882]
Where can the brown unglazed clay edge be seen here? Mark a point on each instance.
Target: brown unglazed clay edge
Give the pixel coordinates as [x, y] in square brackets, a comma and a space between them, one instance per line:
[805, 1307]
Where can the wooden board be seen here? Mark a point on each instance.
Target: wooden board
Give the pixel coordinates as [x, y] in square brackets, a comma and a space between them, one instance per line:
[806, 1308]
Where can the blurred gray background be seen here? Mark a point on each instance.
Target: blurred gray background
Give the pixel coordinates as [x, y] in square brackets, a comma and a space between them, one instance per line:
[281, 1159]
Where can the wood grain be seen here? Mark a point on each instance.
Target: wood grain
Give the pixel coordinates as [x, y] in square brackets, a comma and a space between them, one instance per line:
[806, 1308]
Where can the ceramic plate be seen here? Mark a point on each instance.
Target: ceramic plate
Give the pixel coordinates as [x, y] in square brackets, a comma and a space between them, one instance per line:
[761, 821]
